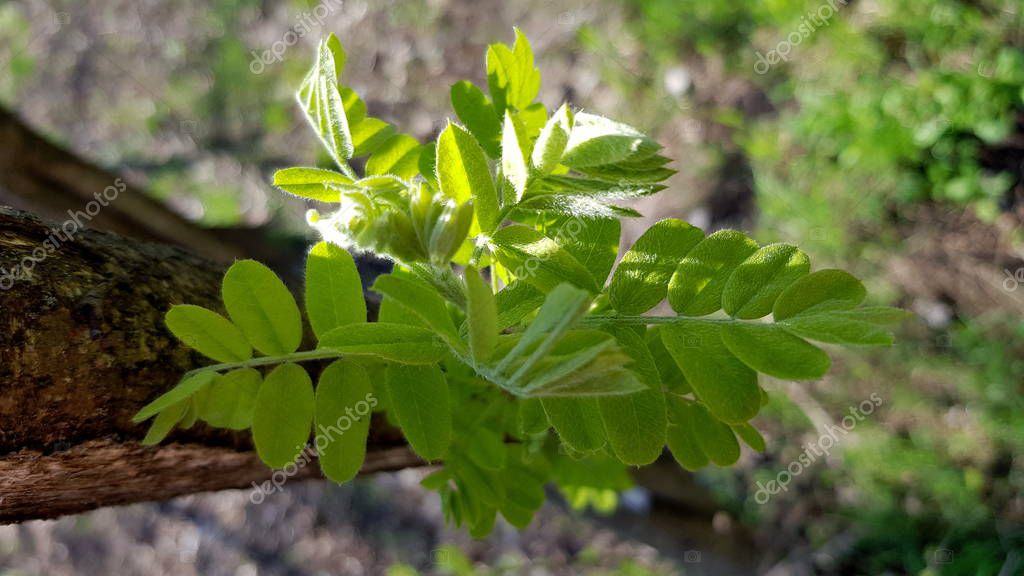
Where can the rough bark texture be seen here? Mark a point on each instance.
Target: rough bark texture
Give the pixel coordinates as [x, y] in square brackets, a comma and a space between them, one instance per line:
[82, 348]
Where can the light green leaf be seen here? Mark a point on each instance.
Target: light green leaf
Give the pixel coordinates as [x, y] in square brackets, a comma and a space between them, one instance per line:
[512, 79]
[463, 174]
[230, 400]
[477, 113]
[421, 300]
[515, 302]
[262, 307]
[757, 282]
[562, 308]
[283, 415]
[482, 316]
[402, 343]
[165, 422]
[672, 378]
[770, 349]
[333, 124]
[369, 135]
[539, 260]
[547, 150]
[312, 183]
[514, 144]
[419, 402]
[577, 421]
[596, 140]
[635, 423]
[641, 280]
[838, 327]
[682, 442]
[399, 155]
[725, 384]
[593, 242]
[343, 410]
[334, 291]
[183, 391]
[715, 438]
[750, 436]
[824, 290]
[209, 333]
[697, 285]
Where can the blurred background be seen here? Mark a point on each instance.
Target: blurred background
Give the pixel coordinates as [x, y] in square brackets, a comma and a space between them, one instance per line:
[882, 136]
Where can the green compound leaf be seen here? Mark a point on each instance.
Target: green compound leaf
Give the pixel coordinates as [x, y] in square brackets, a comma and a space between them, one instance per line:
[770, 349]
[539, 260]
[635, 423]
[476, 112]
[420, 404]
[334, 291]
[757, 282]
[512, 79]
[463, 174]
[422, 301]
[262, 307]
[312, 183]
[596, 140]
[230, 400]
[165, 422]
[211, 334]
[821, 291]
[697, 285]
[188, 386]
[401, 343]
[344, 403]
[577, 421]
[641, 280]
[283, 415]
[550, 144]
[727, 386]
[482, 316]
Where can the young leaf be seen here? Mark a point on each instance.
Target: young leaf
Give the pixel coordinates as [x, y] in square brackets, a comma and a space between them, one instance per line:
[577, 421]
[482, 313]
[183, 391]
[420, 300]
[399, 155]
[283, 415]
[402, 343]
[824, 290]
[342, 421]
[697, 285]
[757, 282]
[641, 280]
[262, 307]
[596, 140]
[514, 152]
[725, 384]
[547, 150]
[515, 302]
[511, 76]
[230, 400]
[636, 423]
[463, 174]
[419, 401]
[562, 308]
[165, 422]
[312, 183]
[334, 292]
[539, 260]
[770, 349]
[477, 113]
[211, 334]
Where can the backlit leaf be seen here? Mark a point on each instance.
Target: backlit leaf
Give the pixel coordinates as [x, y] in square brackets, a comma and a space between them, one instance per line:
[209, 333]
[262, 307]
[283, 415]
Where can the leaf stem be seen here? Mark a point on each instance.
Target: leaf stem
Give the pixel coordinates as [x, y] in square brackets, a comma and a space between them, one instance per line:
[304, 356]
[645, 320]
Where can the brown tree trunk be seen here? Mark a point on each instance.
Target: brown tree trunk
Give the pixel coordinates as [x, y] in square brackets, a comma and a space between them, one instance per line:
[82, 348]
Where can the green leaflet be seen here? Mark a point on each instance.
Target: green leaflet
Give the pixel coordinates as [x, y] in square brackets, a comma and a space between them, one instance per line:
[211, 334]
[539, 260]
[512, 79]
[487, 450]
[463, 174]
[334, 291]
[562, 308]
[419, 402]
[824, 290]
[641, 280]
[596, 141]
[422, 301]
[321, 100]
[312, 183]
[683, 443]
[547, 150]
[725, 384]
[577, 421]
[838, 327]
[593, 242]
[165, 422]
[532, 419]
[283, 415]
[582, 363]
[344, 403]
[482, 316]
[635, 423]
[188, 386]
[672, 378]
[402, 343]
[399, 155]
[714, 438]
[514, 151]
[230, 400]
[476, 112]
[696, 286]
[756, 283]
[515, 302]
[262, 307]
[749, 435]
[770, 349]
